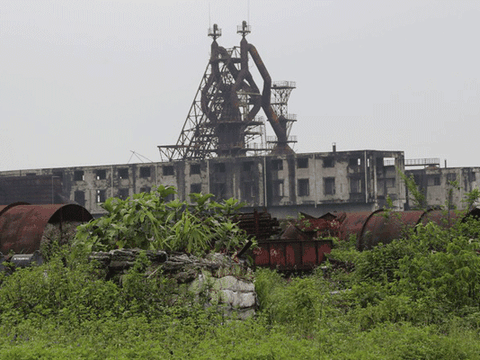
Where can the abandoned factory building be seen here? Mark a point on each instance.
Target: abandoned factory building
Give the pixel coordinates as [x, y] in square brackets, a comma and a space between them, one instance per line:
[314, 183]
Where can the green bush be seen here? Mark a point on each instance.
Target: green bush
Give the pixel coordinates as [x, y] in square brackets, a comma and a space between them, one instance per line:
[148, 221]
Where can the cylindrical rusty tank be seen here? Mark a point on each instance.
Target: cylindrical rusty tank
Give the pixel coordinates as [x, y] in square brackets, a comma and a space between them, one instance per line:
[4, 208]
[351, 224]
[22, 226]
[442, 217]
[385, 226]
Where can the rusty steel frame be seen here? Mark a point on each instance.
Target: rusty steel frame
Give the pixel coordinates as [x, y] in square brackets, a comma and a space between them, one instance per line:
[222, 118]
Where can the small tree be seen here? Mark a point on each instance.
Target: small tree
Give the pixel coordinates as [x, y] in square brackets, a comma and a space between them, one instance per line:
[418, 196]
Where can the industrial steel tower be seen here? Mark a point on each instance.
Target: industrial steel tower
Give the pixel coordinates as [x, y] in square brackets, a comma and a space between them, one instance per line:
[222, 119]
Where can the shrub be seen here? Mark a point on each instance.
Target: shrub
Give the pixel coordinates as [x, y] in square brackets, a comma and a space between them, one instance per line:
[148, 221]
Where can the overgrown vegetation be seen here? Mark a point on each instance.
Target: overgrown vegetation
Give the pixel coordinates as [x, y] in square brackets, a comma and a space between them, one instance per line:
[415, 298]
[148, 221]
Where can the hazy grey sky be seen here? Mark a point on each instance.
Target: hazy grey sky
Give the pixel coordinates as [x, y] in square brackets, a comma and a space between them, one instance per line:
[84, 82]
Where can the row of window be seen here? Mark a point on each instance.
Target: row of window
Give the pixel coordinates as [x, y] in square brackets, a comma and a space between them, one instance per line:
[145, 171]
[168, 170]
[435, 180]
[101, 195]
[123, 173]
[302, 163]
[248, 189]
[303, 186]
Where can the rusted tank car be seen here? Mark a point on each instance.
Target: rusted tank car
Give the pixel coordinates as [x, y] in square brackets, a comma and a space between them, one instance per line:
[22, 226]
[304, 243]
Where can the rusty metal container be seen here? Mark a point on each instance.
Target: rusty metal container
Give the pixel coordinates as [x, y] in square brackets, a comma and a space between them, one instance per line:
[383, 227]
[4, 208]
[352, 224]
[22, 226]
[441, 217]
[290, 254]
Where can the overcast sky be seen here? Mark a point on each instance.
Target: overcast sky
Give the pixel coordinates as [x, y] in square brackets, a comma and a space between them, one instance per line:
[85, 82]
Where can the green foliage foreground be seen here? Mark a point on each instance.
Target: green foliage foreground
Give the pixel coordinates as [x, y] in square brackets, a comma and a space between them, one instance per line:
[149, 221]
[415, 298]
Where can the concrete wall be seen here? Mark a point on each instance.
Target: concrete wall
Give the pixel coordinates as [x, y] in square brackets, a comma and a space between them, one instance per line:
[436, 184]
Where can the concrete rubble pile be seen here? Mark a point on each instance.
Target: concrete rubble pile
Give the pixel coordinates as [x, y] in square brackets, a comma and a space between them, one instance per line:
[225, 283]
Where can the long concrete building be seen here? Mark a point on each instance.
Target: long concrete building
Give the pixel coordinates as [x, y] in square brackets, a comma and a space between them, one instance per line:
[314, 183]
[284, 185]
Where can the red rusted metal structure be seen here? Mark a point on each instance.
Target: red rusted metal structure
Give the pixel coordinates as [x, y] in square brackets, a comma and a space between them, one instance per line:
[304, 243]
[22, 225]
[292, 254]
[301, 246]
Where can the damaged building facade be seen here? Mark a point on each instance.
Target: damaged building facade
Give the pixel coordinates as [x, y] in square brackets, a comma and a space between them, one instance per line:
[283, 184]
[313, 183]
[443, 187]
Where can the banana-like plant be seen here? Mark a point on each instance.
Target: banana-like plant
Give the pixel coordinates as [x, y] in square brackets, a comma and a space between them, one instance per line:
[148, 221]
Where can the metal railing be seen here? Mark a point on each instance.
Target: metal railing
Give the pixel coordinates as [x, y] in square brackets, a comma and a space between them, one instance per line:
[285, 84]
[422, 162]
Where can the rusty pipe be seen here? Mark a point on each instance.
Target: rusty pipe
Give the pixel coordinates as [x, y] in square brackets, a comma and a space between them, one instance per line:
[280, 131]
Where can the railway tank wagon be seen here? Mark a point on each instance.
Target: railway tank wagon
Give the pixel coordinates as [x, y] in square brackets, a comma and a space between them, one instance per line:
[304, 243]
[22, 227]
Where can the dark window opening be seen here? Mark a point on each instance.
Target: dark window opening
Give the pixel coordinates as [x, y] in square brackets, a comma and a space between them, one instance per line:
[472, 177]
[303, 187]
[79, 175]
[123, 194]
[79, 197]
[58, 174]
[277, 188]
[219, 167]
[195, 188]
[247, 166]
[277, 164]
[302, 163]
[329, 185]
[355, 186]
[194, 169]
[30, 174]
[451, 177]
[219, 190]
[328, 162]
[433, 180]
[354, 162]
[123, 173]
[417, 179]
[390, 183]
[145, 189]
[101, 174]
[145, 172]
[168, 170]
[247, 190]
[101, 196]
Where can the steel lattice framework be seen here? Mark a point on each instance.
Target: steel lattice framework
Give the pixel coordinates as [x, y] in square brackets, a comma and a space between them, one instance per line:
[222, 118]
